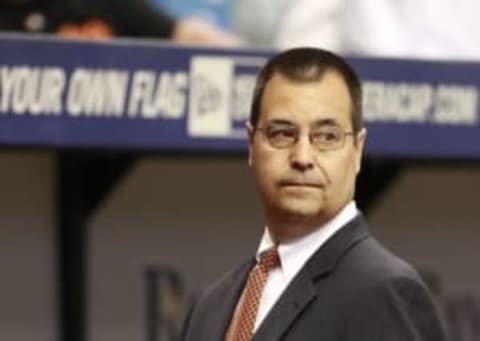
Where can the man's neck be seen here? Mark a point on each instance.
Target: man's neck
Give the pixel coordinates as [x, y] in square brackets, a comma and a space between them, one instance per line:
[287, 227]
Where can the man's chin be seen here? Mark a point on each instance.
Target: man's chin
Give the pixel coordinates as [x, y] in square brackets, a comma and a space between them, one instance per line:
[300, 212]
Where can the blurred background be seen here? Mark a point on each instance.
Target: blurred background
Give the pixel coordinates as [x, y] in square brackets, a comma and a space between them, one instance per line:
[163, 227]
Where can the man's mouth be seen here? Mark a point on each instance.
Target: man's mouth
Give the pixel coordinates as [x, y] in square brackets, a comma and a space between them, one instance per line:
[300, 184]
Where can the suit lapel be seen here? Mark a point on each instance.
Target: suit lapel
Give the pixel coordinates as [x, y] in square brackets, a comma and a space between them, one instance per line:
[226, 300]
[328, 255]
[302, 290]
[292, 302]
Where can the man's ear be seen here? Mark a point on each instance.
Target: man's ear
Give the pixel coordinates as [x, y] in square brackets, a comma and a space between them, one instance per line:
[250, 132]
[360, 144]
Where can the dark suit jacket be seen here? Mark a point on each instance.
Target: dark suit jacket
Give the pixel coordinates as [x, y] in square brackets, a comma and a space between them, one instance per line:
[351, 289]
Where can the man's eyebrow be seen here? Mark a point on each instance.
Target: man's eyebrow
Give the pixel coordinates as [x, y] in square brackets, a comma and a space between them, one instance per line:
[325, 122]
[278, 121]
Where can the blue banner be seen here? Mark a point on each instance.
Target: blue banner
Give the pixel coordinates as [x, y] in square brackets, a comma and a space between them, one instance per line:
[150, 95]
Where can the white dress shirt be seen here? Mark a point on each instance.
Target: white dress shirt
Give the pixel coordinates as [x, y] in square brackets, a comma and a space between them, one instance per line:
[293, 255]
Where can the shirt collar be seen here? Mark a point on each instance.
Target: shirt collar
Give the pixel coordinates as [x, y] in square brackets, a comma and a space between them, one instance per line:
[294, 254]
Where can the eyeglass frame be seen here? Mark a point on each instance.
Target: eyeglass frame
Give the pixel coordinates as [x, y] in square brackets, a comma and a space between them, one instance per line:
[264, 131]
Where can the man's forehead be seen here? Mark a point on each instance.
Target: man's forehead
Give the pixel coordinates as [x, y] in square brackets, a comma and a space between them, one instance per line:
[324, 101]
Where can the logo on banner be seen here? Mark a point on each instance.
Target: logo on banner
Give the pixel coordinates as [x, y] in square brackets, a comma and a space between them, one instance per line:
[208, 95]
[220, 95]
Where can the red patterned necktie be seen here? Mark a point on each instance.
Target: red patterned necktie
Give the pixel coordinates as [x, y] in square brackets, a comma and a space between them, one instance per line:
[245, 315]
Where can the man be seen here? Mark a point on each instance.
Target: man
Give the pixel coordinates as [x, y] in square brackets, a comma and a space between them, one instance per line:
[332, 280]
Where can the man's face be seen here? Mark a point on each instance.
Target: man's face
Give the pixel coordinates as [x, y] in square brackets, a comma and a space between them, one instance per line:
[303, 182]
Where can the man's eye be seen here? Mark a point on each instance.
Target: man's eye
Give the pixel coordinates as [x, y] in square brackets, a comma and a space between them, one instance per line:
[281, 133]
[326, 136]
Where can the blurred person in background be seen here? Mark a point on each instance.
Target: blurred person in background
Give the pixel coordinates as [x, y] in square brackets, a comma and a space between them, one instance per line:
[433, 29]
[310, 23]
[103, 19]
[463, 317]
[459, 311]
[257, 21]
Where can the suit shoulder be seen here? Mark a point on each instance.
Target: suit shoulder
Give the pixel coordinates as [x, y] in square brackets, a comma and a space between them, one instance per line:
[389, 290]
[371, 262]
[220, 288]
[218, 297]
[235, 273]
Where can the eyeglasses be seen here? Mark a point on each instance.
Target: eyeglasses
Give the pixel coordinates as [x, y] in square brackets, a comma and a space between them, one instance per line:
[282, 136]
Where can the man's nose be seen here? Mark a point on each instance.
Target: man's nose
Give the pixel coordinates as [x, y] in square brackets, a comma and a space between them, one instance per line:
[302, 155]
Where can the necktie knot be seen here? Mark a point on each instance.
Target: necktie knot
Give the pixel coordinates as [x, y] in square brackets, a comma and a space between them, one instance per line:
[269, 259]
